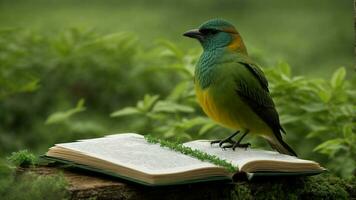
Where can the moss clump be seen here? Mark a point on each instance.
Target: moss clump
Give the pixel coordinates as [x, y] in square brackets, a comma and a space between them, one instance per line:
[6, 175]
[316, 187]
[190, 152]
[241, 192]
[28, 185]
[325, 187]
[32, 186]
[22, 158]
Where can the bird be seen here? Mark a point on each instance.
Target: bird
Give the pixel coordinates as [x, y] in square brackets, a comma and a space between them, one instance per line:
[232, 89]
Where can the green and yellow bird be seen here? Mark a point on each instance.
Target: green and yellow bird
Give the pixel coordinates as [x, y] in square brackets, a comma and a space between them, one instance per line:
[232, 89]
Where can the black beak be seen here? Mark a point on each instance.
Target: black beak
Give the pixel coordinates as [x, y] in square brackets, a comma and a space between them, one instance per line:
[194, 34]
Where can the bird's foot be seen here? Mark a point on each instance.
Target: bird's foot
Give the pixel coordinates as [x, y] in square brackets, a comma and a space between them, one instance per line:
[239, 145]
[236, 145]
[227, 141]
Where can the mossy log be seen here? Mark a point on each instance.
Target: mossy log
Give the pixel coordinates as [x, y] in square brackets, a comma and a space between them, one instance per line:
[87, 185]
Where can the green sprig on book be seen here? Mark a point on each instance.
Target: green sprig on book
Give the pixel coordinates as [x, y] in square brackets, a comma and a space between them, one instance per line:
[175, 146]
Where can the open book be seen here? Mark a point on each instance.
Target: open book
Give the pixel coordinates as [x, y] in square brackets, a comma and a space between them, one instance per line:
[131, 157]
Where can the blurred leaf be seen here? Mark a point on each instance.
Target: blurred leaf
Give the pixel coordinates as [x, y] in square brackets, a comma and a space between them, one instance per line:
[286, 119]
[171, 107]
[178, 91]
[16, 83]
[205, 128]
[184, 136]
[324, 95]
[125, 111]
[321, 130]
[190, 123]
[348, 133]
[171, 49]
[314, 107]
[147, 103]
[156, 116]
[58, 117]
[285, 69]
[338, 77]
[169, 133]
[30, 86]
[86, 127]
[329, 146]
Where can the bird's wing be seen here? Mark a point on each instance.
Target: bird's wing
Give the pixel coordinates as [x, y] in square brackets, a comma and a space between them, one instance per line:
[258, 73]
[258, 98]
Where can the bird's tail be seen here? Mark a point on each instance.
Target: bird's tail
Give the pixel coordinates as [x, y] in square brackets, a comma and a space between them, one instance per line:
[278, 144]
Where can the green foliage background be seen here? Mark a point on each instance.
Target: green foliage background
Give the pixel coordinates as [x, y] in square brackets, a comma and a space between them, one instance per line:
[70, 71]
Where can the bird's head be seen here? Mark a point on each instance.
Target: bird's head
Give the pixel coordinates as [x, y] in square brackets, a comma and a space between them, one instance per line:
[218, 33]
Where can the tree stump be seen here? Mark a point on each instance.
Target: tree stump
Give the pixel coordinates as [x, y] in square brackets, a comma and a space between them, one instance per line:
[84, 184]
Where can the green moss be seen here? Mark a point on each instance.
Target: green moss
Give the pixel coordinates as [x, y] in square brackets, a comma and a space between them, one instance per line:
[325, 187]
[22, 158]
[36, 187]
[6, 175]
[194, 153]
[241, 192]
[315, 187]
[28, 185]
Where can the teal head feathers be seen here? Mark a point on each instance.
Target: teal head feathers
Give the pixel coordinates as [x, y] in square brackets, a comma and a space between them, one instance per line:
[218, 33]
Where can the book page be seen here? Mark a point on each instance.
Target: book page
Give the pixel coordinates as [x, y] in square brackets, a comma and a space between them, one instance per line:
[133, 151]
[242, 156]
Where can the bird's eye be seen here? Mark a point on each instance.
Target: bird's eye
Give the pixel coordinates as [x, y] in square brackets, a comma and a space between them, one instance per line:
[208, 31]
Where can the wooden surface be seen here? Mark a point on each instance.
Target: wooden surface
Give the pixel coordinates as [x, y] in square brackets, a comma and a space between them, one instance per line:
[86, 185]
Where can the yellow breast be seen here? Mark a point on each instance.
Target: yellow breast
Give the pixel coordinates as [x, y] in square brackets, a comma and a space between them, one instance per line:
[214, 110]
